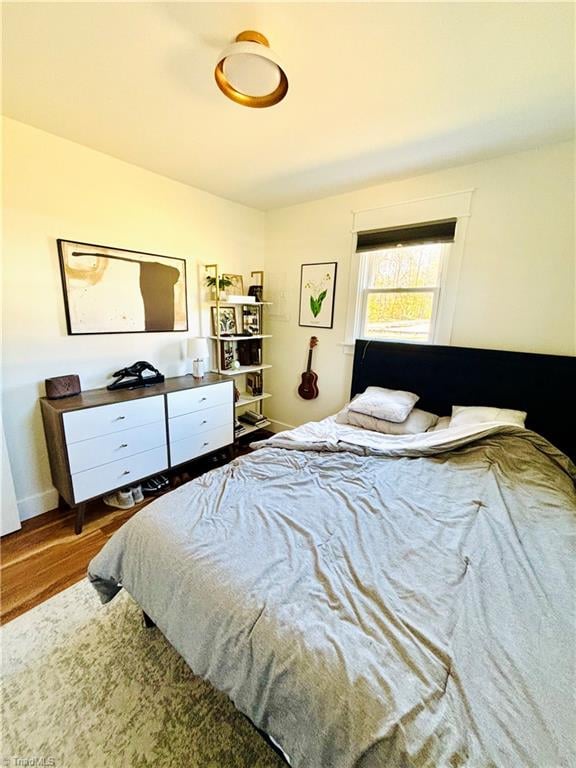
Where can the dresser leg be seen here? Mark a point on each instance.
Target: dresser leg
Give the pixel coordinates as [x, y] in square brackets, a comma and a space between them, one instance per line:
[79, 522]
[231, 452]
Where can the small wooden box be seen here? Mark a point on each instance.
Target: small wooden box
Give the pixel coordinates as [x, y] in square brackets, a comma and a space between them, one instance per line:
[63, 386]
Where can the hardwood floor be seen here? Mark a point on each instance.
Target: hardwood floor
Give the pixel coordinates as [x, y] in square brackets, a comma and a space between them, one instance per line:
[46, 556]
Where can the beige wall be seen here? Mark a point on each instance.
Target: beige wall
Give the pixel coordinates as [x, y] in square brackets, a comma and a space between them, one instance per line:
[54, 188]
[517, 278]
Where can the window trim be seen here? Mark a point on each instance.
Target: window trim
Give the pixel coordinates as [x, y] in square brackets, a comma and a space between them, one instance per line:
[455, 205]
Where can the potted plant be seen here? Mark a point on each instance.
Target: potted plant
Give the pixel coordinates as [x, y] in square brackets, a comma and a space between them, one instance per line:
[223, 283]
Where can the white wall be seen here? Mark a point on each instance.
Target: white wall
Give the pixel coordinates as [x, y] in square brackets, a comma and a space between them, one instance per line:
[54, 188]
[516, 287]
[517, 280]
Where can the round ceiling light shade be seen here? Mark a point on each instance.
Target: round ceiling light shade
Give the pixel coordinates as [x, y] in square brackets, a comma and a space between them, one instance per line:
[250, 73]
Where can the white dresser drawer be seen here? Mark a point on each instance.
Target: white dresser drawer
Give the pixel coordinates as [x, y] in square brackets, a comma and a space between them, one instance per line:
[191, 424]
[106, 419]
[86, 454]
[192, 447]
[190, 400]
[94, 482]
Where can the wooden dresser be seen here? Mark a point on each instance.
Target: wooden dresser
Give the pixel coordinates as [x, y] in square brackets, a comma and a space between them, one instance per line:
[101, 440]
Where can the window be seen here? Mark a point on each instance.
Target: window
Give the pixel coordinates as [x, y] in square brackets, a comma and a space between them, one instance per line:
[405, 271]
[400, 281]
[401, 292]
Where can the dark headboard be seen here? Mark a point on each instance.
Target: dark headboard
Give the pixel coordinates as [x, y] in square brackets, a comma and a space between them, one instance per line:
[542, 385]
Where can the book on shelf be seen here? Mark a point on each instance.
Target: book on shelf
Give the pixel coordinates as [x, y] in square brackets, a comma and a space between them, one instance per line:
[239, 429]
[254, 383]
[253, 418]
[260, 425]
[234, 298]
[250, 352]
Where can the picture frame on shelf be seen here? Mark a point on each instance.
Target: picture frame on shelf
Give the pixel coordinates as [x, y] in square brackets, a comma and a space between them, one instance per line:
[251, 320]
[257, 288]
[227, 357]
[317, 291]
[236, 285]
[256, 291]
[225, 323]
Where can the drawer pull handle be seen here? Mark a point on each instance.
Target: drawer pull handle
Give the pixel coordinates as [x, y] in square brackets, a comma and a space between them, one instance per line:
[120, 418]
[202, 399]
[124, 445]
[204, 422]
[205, 443]
[126, 472]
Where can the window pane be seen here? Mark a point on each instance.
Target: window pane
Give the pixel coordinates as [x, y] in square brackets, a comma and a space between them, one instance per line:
[399, 316]
[414, 266]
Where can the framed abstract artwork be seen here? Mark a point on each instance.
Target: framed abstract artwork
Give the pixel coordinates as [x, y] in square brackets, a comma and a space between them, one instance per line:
[113, 290]
[317, 287]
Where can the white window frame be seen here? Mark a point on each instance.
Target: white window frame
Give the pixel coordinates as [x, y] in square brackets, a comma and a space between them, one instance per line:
[456, 205]
[364, 290]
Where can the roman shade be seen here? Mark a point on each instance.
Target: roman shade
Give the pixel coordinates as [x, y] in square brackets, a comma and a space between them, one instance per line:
[413, 234]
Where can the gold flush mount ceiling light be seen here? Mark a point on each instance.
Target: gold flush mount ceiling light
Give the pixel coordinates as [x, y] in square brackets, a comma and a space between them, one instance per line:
[250, 73]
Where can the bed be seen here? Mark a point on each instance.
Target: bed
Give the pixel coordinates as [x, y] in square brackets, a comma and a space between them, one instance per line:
[373, 601]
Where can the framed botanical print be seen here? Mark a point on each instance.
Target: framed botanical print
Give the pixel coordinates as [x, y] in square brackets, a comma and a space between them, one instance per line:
[317, 287]
[235, 284]
[114, 290]
[224, 322]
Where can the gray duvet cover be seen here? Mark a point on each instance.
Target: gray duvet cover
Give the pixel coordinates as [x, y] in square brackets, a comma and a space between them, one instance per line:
[368, 610]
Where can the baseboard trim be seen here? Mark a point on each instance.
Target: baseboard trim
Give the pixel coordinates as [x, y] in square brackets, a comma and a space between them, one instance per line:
[35, 505]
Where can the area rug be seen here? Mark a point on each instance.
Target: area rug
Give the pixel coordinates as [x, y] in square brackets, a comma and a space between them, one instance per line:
[87, 686]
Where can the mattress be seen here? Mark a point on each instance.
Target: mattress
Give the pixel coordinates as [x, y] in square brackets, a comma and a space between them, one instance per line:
[371, 601]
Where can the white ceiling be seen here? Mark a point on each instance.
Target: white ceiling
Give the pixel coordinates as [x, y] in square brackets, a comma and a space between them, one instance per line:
[377, 90]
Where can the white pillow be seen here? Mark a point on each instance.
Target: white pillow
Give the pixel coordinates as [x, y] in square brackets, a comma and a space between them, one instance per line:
[388, 404]
[463, 415]
[417, 421]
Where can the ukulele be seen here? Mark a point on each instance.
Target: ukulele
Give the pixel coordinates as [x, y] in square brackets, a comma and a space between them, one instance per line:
[308, 388]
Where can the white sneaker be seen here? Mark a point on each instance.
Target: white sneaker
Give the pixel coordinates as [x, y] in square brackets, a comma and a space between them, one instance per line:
[120, 499]
[137, 494]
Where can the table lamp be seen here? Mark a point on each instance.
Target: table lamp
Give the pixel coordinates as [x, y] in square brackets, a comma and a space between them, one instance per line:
[197, 353]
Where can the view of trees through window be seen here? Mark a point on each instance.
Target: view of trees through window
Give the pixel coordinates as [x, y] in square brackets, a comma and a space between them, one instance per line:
[400, 291]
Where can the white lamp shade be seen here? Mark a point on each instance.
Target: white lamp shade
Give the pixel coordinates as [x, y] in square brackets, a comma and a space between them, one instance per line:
[251, 74]
[197, 348]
